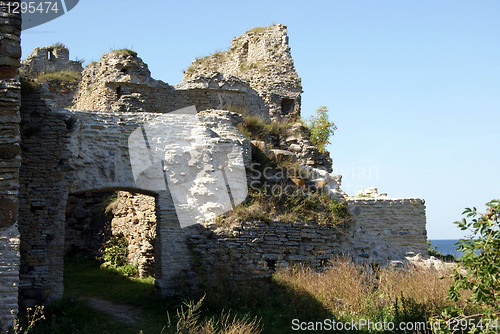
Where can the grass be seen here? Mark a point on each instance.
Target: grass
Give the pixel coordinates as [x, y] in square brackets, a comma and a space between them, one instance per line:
[360, 291]
[343, 291]
[254, 128]
[58, 45]
[63, 76]
[257, 30]
[288, 203]
[124, 51]
[70, 315]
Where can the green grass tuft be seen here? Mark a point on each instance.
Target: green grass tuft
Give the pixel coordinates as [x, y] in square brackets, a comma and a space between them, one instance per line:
[127, 52]
[58, 45]
[63, 76]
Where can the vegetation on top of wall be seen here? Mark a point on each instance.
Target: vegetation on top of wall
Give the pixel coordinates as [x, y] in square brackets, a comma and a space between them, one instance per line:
[124, 51]
[254, 128]
[257, 30]
[62, 76]
[58, 45]
[287, 202]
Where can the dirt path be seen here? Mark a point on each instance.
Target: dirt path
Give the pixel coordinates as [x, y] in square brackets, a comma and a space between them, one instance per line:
[122, 313]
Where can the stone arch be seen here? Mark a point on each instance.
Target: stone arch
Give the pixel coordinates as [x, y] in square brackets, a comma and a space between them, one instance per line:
[101, 162]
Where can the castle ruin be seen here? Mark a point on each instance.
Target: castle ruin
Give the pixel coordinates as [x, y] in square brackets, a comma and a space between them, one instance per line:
[53, 158]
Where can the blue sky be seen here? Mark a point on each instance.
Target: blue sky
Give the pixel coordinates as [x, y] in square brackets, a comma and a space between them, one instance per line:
[413, 86]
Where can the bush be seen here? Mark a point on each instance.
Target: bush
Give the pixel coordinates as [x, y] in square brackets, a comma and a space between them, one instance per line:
[114, 252]
[480, 272]
[321, 128]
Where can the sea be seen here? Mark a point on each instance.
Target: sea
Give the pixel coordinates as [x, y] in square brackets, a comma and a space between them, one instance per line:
[446, 246]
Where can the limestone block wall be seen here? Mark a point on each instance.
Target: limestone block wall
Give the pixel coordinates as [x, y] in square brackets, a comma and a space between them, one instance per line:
[134, 217]
[382, 230]
[123, 83]
[386, 229]
[43, 196]
[262, 58]
[256, 249]
[10, 161]
[87, 223]
[91, 153]
[49, 59]
[58, 94]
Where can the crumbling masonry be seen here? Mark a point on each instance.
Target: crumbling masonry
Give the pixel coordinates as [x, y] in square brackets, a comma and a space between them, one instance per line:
[51, 157]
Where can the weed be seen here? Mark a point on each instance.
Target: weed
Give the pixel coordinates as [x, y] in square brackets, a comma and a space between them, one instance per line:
[124, 51]
[114, 252]
[58, 45]
[80, 60]
[29, 321]
[257, 30]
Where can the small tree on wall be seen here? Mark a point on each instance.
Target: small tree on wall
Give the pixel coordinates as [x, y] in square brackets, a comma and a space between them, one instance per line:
[321, 128]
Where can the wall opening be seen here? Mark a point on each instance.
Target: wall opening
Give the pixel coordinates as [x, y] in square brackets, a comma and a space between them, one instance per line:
[50, 55]
[100, 225]
[287, 106]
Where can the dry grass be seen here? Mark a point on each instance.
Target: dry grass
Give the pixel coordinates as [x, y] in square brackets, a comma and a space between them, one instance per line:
[355, 290]
[190, 321]
[125, 51]
[66, 76]
[288, 202]
[422, 285]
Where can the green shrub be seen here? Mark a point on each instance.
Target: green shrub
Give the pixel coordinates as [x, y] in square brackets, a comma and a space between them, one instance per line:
[321, 128]
[114, 252]
[480, 272]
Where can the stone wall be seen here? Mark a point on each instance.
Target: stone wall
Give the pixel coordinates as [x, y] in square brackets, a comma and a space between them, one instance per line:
[122, 82]
[43, 195]
[91, 153]
[134, 217]
[382, 230]
[10, 162]
[87, 223]
[257, 75]
[262, 58]
[49, 59]
[386, 229]
[255, 249]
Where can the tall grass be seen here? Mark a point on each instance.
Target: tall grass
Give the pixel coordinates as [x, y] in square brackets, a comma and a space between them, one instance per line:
[353, 290]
